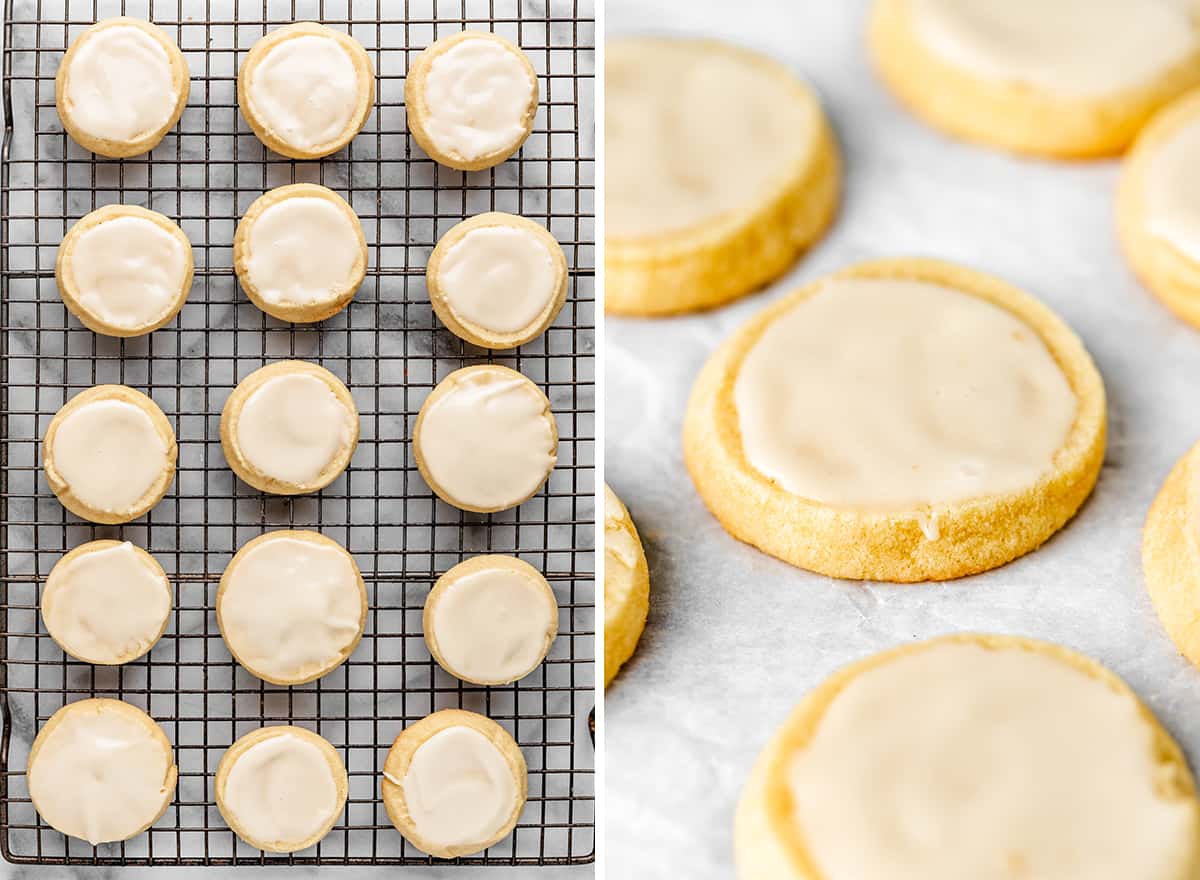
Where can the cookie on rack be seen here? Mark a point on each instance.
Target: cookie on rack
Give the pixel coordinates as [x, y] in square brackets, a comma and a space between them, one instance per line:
[454, 783]
[626, 585]
[490, 620]
[909, 762]
[1158, 207]
[901, 420]
[471, 99]
[123, 270]
[289, 428]
[106, 602]
[291, 606]
[121, 87]
[101, 770]
[497, 280]
[1171, 554]
[1068, 79]
[485, 439]
[281, 788]
[299, 253]
[109, 454]
[720, 170]
[306, 90]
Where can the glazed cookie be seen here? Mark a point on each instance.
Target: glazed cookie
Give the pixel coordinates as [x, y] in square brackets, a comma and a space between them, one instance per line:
[1158, 207]
[471, 99]
[497, 280]
[720, 169]
[300, 253]
[306, 90]
[106, 602]
[485, 439]
[123, 270]
[626, 585]
[109, 454]
[121, 86]
[281, 788]
[291, 606]
[1171, 554]
[289, 428]
[101, 770]
[970, 756]
[1069, 79]
[490, 620]
[902, 420]
[454, 783]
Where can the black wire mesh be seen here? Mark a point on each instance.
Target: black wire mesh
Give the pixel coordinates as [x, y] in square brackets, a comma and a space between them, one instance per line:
[388, 348]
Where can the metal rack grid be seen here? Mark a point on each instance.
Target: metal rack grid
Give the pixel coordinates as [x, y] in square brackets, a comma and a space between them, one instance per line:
[389, 349]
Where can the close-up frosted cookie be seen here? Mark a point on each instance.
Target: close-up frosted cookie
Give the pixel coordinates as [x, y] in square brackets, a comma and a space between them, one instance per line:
[485, 439]
[497, 280]
[123, 270]
[101, 770]
[901, 420]
[454, 783]
[1171, 554]
[1158, 207]
[720, 169]
[306, 90]
[106, 602]
[109, 454]
[471, 99]
[970, 756]
[626, 585]
[490, 620]
[281, 788]
[1069, 79]
[300, 253]
[289, 428]
[291, 606]
[121, 86]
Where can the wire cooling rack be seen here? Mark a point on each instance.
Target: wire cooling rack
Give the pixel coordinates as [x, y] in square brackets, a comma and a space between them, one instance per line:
[388, 348]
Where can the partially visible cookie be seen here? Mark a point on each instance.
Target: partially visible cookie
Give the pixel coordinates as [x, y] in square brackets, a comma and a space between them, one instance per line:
[1171, 554]
[626, 585]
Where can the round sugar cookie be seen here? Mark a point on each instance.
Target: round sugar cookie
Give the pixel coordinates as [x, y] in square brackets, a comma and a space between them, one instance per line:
[281, 788]
[720, 169]
[306, 90]
[497, 280]
[1171, 554]
[970, 756]
[454, 783]
[471, 99]
[109, 454]
[123, 270]
[101, 770]
[1066, 79]
[121, 87]
[901, 420]
[626, 585]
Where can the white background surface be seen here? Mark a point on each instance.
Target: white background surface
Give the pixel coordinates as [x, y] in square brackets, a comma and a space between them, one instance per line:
[735, 638]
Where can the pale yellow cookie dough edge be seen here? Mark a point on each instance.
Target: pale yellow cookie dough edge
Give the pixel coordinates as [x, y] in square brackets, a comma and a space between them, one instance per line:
[1171, 555]
[625, 610]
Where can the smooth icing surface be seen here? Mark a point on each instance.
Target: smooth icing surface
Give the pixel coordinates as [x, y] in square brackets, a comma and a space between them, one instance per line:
[693, 132]
[119, 84]
[281, 790]
[100, 776]
[292, 427]
[498, 277]
[109, 453]
[107, 605]
[459, 789]
[885, 393]
[291, 607]
[477, 94]
[1172, 191]
[302, 250]
[959, 761]
[128, 271]
[493, 625]
[305, 90]
[1073, 47]
[488, 441]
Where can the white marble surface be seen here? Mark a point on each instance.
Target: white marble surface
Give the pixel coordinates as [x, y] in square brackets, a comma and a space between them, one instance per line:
[735, 638]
